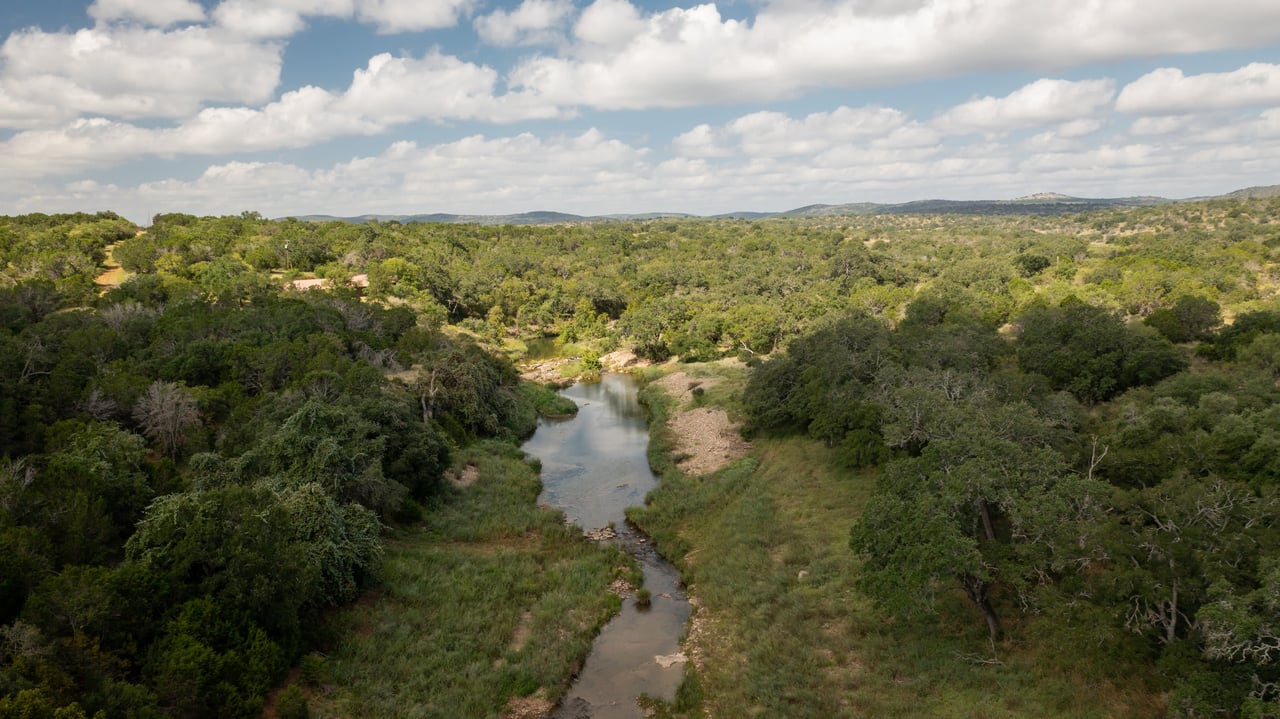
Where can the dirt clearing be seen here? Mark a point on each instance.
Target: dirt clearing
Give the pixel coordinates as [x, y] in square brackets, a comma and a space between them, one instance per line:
[705, 438]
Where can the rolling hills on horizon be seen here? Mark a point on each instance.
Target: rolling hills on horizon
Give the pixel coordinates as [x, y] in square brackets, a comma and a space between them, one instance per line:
[1041, 203]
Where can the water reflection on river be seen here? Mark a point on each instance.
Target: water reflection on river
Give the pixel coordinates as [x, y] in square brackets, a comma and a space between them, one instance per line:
[593, 467]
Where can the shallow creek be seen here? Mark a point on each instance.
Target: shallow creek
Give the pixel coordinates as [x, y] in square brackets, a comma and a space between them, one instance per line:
[593, 467]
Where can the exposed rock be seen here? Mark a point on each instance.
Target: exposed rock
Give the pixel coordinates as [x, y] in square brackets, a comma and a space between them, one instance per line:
[707, 438]
[666, 661]
[622, 588]
[544, 371]
[621, 359]
[535, 706]
[704, 435]
[599, 534]
[468, 477]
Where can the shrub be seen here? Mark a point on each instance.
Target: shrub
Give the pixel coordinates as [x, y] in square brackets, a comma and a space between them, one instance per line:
[292, 704]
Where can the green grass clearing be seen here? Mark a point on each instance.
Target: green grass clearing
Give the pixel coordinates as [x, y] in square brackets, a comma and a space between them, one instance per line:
[492, 598]
[784, 631]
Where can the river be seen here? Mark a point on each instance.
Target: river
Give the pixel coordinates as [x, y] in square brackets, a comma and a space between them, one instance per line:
[594, 466]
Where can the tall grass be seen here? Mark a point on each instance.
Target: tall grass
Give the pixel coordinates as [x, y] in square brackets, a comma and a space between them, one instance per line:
[785, 632]
[547, 401]
[492, 598]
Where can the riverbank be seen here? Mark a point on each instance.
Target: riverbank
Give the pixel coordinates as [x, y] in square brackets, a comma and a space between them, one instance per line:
[782, 630]
[487, 609]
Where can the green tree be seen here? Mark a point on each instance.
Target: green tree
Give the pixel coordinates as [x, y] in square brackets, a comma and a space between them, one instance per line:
[981, 509]
[1091, 353]
[1171, 541]
[235, 544]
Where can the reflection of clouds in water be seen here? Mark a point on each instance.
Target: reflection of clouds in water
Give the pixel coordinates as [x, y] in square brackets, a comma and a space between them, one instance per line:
[584, 459]
[616, 392]
[561, 470]
[622, 402]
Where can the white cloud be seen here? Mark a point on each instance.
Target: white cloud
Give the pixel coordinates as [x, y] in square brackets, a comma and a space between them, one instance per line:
[389, 91]
[411, 15]
[774, 134]
[1249, 133]
[609, 22]
[626, 59]
[393, 90]
[279, 18]
[298, 119]
[131, 72]
[594, 174]
[760, 135]
[472, 174]
[1163, 125]
[591, 173]
[1038, 104]
[1167, 91]
[22, 112]
[533, 22]
[702, 141]
[255, 19]
[160, 13]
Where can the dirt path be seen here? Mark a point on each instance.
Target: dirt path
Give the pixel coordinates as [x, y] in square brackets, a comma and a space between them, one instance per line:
[113, 274]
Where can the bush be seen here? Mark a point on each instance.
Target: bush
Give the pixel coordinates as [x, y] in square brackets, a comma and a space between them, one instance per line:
[314, 668]
[292, 704]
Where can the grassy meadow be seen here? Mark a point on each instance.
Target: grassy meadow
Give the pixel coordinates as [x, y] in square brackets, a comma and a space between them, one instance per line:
[782, 630]
[491, 600]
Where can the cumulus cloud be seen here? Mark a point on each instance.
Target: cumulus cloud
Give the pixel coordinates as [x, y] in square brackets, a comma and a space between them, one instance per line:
[248, 17]
[533, 22]
[284, 17]
[411, 15]
[1164, 125]
[1167, 91]
[702, 141]
[160, 13]
[395, 90]
[609, 22]
[472, 174]
[146, 82]
[389, 91]
[759, 161]
[626, 59]
[774, 134]
[1044, 102]
[131, 72]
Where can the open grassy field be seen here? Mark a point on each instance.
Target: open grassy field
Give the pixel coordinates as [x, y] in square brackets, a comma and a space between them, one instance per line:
[783, 631]
[486, 610]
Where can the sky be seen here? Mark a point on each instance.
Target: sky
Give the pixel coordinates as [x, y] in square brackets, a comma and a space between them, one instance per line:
[349, 107]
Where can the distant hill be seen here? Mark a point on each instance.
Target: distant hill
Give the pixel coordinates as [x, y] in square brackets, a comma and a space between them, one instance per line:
[1040, 203]
[1046, 203]
[1261, 192]
[524, 218]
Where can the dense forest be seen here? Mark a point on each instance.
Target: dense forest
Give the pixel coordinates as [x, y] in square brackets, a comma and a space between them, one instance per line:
[1069, 417]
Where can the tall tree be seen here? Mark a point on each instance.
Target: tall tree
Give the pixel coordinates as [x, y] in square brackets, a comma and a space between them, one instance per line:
[167, 411]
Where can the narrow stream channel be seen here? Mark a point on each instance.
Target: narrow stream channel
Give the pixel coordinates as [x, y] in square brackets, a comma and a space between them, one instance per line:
[594, 466]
